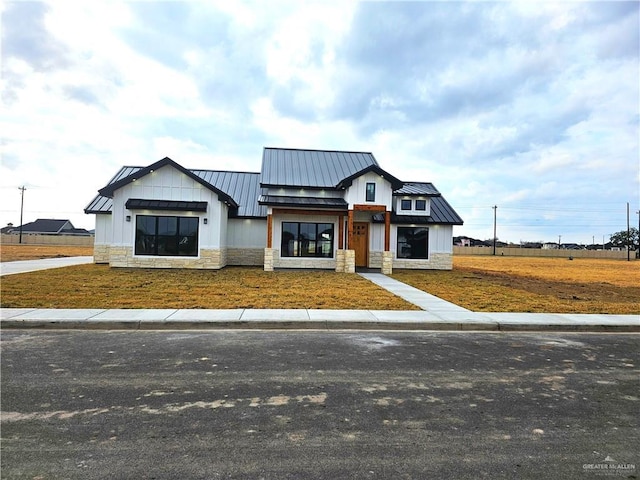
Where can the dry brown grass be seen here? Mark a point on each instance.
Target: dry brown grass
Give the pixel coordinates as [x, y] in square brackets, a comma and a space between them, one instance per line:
[542, 285]
[99, 286]
[11, 253]
[500, 284]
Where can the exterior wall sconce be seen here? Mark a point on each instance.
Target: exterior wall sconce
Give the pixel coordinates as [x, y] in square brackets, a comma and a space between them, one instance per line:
[204, 221]
[128, 218]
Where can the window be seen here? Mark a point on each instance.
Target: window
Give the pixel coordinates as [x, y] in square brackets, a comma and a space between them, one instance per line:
[413, 242]
[405, 204]
[371, 192]
[421, 205]
[167, 236]
[307, 240]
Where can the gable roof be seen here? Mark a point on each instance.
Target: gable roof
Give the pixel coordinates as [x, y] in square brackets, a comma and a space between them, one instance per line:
[166, 161]
[395, 183]
[288, 167]
[242, 187]
[45, 225]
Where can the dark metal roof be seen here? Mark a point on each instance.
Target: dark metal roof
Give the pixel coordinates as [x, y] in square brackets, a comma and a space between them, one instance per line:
[284, 167]
[99, 204]
[125, 180]
[347, 182]
[173, 205]
[441, 213]
[315, 202]
[417, 188]
[243, 187]
[44, 225]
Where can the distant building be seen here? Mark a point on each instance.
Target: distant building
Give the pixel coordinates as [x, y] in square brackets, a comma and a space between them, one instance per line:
[48, 226]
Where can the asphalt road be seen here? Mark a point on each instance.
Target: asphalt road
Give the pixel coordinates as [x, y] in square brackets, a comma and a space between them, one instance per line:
[315, 405]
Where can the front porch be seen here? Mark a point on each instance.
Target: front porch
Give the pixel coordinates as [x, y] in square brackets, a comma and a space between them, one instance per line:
[353, 243]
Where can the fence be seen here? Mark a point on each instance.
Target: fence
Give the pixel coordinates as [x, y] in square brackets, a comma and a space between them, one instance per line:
[538, 252]
[71, 240]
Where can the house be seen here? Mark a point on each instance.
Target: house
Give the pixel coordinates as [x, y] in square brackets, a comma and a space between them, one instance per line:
[305, 209]
[49, 226]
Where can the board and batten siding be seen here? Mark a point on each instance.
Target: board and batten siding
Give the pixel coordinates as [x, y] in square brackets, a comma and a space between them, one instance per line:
[356, 193]
[167, 183]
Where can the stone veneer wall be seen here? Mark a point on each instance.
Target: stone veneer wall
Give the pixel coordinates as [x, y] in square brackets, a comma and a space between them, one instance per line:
[436, 261]
[268, 259]
[375, 259]
[350, 261]
[272, 260]
[101, 254]
[387, 263]
[209, 259]
[245, 256]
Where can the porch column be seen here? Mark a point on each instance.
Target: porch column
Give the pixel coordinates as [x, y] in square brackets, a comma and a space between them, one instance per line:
[269, 231]
[340, 232]
[387, 230]
[350, 232]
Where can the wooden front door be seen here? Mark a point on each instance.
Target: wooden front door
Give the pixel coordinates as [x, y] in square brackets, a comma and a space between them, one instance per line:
[361, 243]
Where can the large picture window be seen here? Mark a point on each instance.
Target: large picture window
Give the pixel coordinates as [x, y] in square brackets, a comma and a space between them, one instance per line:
[413, 242]
[307, 240]
[167, 236]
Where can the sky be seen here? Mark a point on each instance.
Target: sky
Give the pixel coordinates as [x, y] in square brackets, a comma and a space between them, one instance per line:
[530, 107]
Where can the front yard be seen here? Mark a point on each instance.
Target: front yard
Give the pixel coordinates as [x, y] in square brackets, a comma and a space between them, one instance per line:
[479, 283]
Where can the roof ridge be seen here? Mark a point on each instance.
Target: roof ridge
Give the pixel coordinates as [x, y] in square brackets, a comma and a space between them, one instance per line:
[222, 171]
[316, 150]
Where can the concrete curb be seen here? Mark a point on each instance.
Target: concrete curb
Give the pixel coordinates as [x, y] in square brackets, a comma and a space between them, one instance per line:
[178, 319]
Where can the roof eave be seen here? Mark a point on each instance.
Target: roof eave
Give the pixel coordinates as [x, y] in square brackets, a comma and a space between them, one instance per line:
[109, 190]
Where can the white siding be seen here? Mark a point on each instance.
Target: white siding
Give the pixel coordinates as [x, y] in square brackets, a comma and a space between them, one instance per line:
[440, 238]
[103, 229]
[356, 193]
[168, 183]
[247, 233]
[398, 204]
[305, 192]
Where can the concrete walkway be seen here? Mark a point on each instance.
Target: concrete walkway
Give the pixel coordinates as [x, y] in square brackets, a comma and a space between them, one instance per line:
[436, 314]
[24, 266]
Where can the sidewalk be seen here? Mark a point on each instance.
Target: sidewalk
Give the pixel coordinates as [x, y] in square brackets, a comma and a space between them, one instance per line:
[25, 266]
[436, 314]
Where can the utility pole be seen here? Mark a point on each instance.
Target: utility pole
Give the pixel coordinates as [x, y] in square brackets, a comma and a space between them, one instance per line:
[495, 211]
[638, 254]
[22, 189]
[559, 241]
[628, 236]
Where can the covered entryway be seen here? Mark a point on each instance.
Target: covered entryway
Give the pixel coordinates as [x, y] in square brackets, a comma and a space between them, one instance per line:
[361, 243]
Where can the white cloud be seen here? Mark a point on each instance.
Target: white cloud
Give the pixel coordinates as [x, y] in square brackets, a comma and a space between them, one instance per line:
[518, 104]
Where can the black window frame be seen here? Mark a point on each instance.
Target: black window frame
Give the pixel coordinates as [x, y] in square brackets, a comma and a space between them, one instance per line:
[296, 245]
[178, 241]
[403, 203]
[370, 192]
[409, 245]
[421, 205]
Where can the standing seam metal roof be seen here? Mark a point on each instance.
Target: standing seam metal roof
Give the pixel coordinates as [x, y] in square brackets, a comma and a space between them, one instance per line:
[311, 168]
[417, 188]
[242, 187]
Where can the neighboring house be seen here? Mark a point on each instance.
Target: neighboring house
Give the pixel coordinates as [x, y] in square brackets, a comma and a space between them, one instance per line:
[48, 226]
[305, 209]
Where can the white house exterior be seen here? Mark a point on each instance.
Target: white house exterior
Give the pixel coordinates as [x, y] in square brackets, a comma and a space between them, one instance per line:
[305, 209]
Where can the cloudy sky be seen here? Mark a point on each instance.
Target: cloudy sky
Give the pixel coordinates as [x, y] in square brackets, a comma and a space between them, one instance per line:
[530, 106]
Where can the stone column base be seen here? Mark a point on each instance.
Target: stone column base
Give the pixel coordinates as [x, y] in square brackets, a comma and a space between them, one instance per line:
[268, 259]
[387, 263]
[349, 261]
[340, 261]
